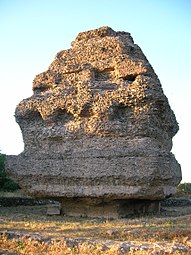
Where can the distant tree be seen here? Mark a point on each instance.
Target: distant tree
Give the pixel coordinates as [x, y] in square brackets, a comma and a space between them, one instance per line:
[6, 184]
[184, 188]
[2, 170]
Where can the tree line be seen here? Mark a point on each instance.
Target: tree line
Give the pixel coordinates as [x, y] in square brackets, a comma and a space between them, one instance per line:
[6, 184]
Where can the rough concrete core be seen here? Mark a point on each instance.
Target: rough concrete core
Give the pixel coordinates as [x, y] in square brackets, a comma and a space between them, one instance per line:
[98, 127]
[104, 208]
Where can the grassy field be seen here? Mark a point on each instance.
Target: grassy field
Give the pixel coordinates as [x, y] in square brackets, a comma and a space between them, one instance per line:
[28, 230]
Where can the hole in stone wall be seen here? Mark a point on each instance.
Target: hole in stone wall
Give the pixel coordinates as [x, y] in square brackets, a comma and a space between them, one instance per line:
[118, 112]
[57, 78]
[105, 74]
[32, 116]
[129, 78]
[61, 116]
[40, 89]
[86, 111]
[103, 49]
[138, 207]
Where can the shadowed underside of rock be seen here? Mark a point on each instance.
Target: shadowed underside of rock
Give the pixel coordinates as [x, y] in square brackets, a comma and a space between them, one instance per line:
[98, 127]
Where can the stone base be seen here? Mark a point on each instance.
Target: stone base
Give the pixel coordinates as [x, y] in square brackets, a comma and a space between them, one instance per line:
[102, 208]
[53, 209]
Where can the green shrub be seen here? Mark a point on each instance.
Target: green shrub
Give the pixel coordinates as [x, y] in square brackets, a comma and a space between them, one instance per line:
[184, 188]
[10, 185]
[2, 170]
[6, 184]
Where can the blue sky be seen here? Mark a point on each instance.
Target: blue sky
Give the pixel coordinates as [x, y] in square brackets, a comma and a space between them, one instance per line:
[33, 31]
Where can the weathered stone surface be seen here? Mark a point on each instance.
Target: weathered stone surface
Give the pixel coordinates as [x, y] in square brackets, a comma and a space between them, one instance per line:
[108, 208]
[53, 209]
[98, 125]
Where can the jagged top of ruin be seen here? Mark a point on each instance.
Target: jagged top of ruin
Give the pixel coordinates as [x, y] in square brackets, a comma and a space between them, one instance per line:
[102, 70]
[100, 33]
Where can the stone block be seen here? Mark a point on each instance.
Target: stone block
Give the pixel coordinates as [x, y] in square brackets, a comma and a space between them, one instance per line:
[98, 126]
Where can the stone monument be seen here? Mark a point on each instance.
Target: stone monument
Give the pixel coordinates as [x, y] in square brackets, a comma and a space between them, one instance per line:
[98, 131]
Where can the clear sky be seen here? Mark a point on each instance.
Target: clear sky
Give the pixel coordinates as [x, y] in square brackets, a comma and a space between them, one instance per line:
[33, 31]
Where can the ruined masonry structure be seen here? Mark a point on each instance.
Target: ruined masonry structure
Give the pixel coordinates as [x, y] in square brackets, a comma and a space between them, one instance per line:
[98, 131]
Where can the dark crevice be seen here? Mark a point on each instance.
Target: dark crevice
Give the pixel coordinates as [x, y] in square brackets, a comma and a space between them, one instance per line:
[30, 116]
[40, 89]
[58, 78]
[129, 78]
[86, 111]
[104, 74]
[61, 116]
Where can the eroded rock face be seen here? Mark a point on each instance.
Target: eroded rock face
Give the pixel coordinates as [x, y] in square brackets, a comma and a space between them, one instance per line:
[98, 125]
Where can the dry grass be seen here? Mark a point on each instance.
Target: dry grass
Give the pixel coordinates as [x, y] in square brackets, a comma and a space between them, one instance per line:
[34, 233]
